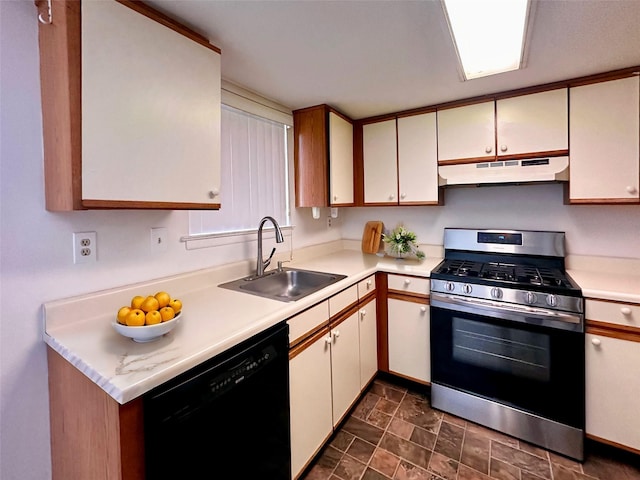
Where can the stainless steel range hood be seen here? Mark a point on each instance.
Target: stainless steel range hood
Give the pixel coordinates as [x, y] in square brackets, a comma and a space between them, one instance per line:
[537, 170]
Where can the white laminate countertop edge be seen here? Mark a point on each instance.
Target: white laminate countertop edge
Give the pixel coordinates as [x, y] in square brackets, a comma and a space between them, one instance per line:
[215, 319]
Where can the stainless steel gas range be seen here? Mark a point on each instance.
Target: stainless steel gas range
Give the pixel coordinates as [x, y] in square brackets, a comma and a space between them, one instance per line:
[507, 336]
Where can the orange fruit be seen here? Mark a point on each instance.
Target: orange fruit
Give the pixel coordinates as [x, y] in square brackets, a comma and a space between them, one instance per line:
[163, 298]
[152, 318]
[149, 304]
[135, 318]
[137, 301]
[176, 305]
[122, 314]
[167, 313]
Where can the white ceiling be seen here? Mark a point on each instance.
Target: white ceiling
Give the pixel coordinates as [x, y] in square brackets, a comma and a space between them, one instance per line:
[371, 57]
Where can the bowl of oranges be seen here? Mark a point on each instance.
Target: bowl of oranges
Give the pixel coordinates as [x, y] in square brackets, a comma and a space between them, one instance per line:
[148, 318]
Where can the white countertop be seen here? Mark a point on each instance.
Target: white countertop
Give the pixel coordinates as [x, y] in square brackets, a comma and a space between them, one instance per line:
[215, 319]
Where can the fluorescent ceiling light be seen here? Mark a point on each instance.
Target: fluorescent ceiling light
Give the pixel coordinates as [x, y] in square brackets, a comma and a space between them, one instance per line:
[489, 35]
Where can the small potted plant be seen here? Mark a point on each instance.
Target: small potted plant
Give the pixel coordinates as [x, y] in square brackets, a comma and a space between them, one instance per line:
[401, 243]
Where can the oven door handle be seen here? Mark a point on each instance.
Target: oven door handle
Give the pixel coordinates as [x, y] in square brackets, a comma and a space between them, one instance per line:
[518, 313]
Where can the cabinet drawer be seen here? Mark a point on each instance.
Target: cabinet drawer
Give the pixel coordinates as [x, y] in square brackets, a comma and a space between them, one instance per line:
[613, 312]
[307, 321]
[367, 285]
[342, 300]
[402, 283]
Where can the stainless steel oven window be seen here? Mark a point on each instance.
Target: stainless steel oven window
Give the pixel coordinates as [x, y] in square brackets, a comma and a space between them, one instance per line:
[516, 352]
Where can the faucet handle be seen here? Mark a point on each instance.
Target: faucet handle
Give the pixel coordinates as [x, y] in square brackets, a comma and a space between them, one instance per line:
[280, 262]
[267, 262]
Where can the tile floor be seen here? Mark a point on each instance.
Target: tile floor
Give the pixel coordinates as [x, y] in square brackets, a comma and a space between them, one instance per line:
[393, 433]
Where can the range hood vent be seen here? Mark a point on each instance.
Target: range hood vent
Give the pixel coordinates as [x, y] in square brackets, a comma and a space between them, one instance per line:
[505, 172]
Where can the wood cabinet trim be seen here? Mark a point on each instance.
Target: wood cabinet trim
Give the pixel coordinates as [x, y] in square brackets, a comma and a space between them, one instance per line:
[611, 443]
[409, 297]
[603, 201]
[169, 22]
[615, 302]
[92, 435]
[111, 204]
[606, 329]
[306, 342]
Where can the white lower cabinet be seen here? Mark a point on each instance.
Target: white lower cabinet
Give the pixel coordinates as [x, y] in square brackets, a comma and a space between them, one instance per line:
[613, 389]
[408, 342]
[368, 342]
[311, 400]
[345, 365]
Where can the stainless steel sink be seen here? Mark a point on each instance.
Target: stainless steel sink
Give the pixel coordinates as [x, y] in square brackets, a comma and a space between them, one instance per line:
[286, 285]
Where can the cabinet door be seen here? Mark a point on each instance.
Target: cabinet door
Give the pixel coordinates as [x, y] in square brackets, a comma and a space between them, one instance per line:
[310, 397]
[345, 365]
[533, 124]
[612, 389]
[408, 330]
[380, 162]
[467, 132]
[340, 160]
[418, 159]
[150, 110]
[605, 156]
[368, 343]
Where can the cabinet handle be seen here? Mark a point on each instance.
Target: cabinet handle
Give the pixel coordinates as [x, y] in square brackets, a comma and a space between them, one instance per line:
[631, 189]
[423, 309]
[488, 149]
[625, 311]
[214, 193]
[392, 196]
[403, 195]
[596, 342]
[327, 340]
[363, 313]
[369, 282]
[407, 281]
[336, 334]
[335, 198]
[503, 148]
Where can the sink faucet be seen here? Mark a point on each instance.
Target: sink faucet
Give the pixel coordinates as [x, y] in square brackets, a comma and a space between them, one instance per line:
[260, 264]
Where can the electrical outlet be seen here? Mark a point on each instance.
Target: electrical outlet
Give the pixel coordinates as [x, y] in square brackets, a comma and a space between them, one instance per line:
[85, 247]
[329, 221]
[159, 240]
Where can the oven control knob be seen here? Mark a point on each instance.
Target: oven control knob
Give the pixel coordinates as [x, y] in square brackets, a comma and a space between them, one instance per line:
[530, 298]
[449, 286]
[496, 292]
[552, 300]
[466, 288]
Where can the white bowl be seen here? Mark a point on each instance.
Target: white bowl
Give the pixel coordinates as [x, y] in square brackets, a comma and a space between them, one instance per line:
[147, 333]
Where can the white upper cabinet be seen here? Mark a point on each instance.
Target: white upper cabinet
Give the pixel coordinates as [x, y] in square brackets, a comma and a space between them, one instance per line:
[131, 109]
[533, 123]
[605, 143]
[400, 161]
[467, 133]
[150, 110]
[340, 160]
[418, 159]
[379, 150]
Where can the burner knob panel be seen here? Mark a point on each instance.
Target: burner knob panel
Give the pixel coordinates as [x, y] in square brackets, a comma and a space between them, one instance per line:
[449, 286]
[552, 300]
[466, 288]
[496, 292]
[530, 298]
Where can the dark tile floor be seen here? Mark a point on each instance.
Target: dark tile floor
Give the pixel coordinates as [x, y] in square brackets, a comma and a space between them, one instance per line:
[393, 433]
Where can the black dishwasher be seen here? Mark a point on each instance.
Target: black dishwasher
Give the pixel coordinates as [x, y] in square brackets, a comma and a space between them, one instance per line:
[229, 415]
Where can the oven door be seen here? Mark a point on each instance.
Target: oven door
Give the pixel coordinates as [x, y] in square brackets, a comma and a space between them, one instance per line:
[517, 360]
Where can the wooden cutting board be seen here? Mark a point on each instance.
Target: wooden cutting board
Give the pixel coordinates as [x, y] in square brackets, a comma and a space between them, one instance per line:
[372, 236]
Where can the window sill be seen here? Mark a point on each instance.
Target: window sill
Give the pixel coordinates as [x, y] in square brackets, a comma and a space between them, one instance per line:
[208, 240]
